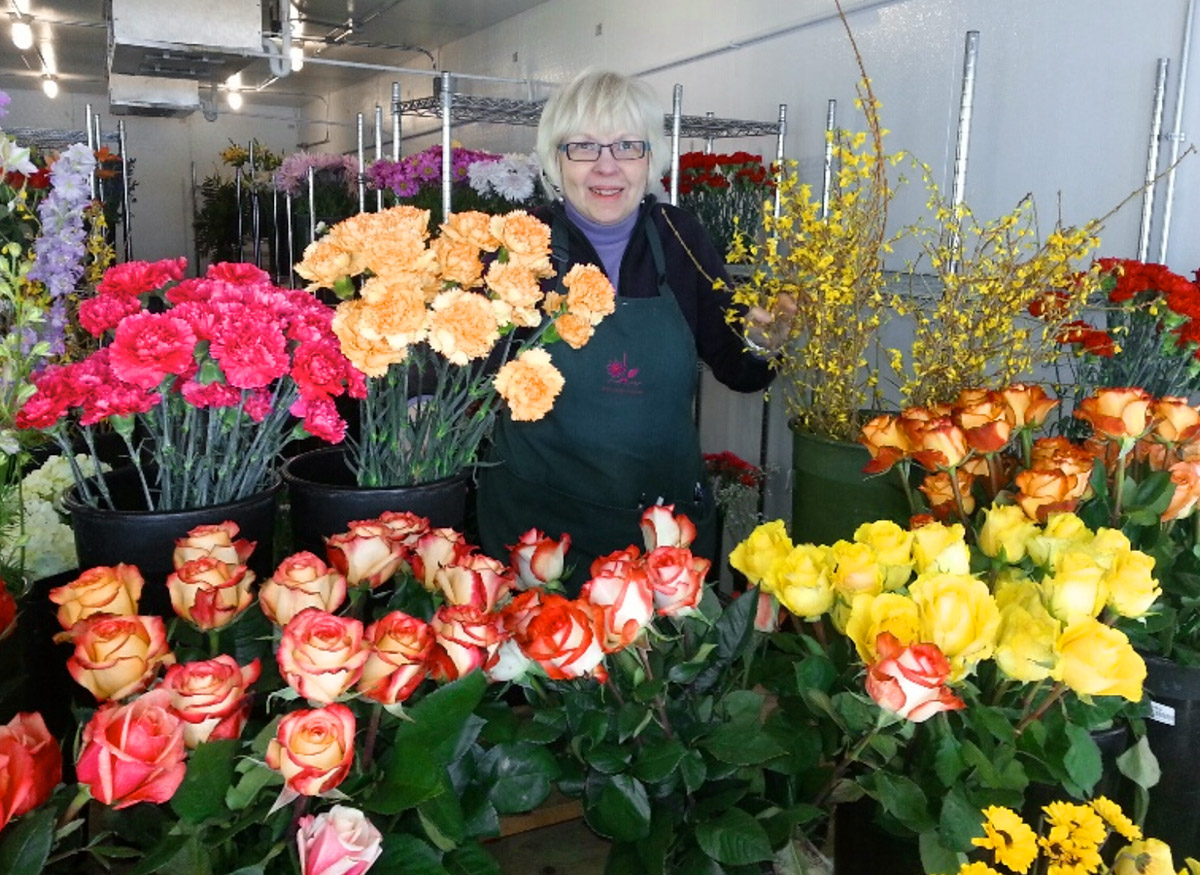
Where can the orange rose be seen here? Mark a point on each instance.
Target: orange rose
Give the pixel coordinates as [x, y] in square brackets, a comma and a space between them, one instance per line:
[677, 579]
[1029, 404]
[622, 590]
[886, 441]
[537, 559]
[313, 750]
[564, 637]
[1185, 477]
[985, 419]
[367, 553]
[1117, 414]
[406, 527]
[321, 655]
[476, 580]
[301, 581]
[940, 493]
[937, 443]
[101, 590]
[210, 594]
[529, 384]
[1041, 493]
[211, 697]
[1175, 421]
[117, 657]
[436, 549]
[398, 652]
[216, 541]
[910, 681]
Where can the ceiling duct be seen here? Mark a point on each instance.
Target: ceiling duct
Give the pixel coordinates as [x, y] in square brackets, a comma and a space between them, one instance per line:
[202, 40]
[152, 96]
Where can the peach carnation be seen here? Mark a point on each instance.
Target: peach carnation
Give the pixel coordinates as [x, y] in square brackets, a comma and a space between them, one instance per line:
[529, 384]
[575, 329]
[589, 293]
[462, 326]
[526, 239]
[473, 227]
[372, 357]
[459, 262]
[391, 312]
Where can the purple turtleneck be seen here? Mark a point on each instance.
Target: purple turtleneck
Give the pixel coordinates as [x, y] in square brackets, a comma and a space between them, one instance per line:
[609, 241]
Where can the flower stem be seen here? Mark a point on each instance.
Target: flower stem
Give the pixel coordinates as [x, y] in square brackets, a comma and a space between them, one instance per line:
[368, 748]
[1055, 694]
[82, 795]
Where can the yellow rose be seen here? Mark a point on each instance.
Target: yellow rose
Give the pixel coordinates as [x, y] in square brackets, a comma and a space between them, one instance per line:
[886, 612]
[855, 570]
[756, 555]
[892, 544]
[959, 615]
[802, 582]
[1062, 532]
[1144, 857]
[1097, 660]
[1027, 634]
[1107, 545]
[1005, 533]
[1132, 588]
[941, 548]
[1077, 589]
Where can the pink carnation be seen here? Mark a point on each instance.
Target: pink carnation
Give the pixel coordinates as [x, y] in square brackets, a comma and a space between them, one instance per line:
[320, 417]
[149, 346]
[320, 369]
[251, 352]
[210, 395]
[135, 277]
[104, 312]
[237, 272]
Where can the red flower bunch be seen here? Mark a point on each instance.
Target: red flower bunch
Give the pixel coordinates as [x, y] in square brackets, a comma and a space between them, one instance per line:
[720, 189]
[729, 468]
[706, 170]
[219, 367]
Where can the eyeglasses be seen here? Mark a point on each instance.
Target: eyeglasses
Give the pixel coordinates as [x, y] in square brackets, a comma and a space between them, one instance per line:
[622, 150]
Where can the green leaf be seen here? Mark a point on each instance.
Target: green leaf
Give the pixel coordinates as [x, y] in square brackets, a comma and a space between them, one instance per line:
[1140, 765]
[937, 859]
[25, 844]
[406, 853]
[617, 807]
[1082, 761]
[815, 673]
[248, 870]
[902, 798]
[947, 761]
[742, 705]
[734, 839]
[209, 777]
[743, 744]
[632, 718]
[693, 770]
[657, 761]
[411, 778]
[238, 796]
[442, 818]
[960, 820]
[437, 722]
[467, 860]
[521, 775]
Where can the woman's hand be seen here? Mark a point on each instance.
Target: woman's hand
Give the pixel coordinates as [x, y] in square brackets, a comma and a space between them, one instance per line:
[768, 330]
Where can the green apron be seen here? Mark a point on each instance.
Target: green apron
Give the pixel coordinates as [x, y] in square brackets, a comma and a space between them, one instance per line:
[620, 438]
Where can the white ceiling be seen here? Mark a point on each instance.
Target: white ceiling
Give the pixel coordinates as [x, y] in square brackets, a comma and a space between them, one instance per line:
[72, 38]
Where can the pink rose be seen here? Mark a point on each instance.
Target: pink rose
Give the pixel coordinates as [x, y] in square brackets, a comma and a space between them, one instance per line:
[436, 549]
[209, 593]
[218, 542]
[399, 647]
[301, 581]
[477, 580]
[211, 697]
[117, 657]
[367, 553]
[537, 559]
[30, 765]
[661, 528]
[464, 634]
[622, 590]
[321, 656]
[313, 750]
[133, 753]
[677, 579]
[340, 841]
[910, 681]
[565, 638]
[100, 590]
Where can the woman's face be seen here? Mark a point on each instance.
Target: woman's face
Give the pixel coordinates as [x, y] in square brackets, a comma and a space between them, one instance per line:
[606, 190]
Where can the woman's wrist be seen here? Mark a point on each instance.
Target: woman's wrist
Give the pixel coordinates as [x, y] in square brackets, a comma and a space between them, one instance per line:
[757, 349]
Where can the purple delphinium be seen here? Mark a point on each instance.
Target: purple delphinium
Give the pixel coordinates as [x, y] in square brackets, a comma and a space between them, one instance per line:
[60, 248]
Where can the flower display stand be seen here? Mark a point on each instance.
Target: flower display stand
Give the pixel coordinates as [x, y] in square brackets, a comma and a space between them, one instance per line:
[1173, 731]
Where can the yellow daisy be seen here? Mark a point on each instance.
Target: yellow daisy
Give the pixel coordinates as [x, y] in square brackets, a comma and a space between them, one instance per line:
[1012, 842]
[977, 869]
[1116, 818]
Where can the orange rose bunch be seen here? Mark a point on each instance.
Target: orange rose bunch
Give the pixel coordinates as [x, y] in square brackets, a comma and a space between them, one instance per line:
[436, 312]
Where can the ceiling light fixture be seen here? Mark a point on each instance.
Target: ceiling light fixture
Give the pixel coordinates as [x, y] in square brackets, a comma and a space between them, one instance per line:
[22, 34]
[296, 56]
[50, 86]
[234, 99]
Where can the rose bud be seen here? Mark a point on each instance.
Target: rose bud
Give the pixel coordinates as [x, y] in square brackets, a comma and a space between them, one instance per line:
[33, 768]
[340, 841]
[366, 554]
[100, 590]
[1098, 660]
[662, 528]
[117, 657]
[622, 591]
[321, 656]
[677, 580]
[301, 581]
[1116, 414]
[477, 580]
[1042, 493]
[1185, 477]
[211, 697]
[406, 527]
[436, 549]
[910, 681]
[216, 542]
[398, 648]
[1030, 405]
[565, 636]
[209, 593]
[939, 492]
[464, 634]
[537, 559]
[133, 753]
[313, 750]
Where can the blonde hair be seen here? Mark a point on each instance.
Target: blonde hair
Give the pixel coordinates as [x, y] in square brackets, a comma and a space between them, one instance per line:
[602, 100]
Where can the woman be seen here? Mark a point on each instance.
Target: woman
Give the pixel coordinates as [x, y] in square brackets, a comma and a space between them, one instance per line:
[622, 434]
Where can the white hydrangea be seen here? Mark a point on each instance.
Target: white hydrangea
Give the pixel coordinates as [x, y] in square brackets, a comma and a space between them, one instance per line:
[49, 542]
[55, 476]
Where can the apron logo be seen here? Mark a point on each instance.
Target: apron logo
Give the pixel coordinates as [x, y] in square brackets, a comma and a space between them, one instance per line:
[622, 378]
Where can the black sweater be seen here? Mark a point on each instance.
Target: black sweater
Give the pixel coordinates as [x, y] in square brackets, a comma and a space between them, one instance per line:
[717, 343]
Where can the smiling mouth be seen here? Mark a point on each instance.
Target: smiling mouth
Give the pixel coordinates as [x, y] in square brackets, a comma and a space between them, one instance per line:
[605, 192]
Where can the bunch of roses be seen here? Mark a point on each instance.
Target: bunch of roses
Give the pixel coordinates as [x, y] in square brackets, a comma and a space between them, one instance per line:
[215, 378]
[983, 445]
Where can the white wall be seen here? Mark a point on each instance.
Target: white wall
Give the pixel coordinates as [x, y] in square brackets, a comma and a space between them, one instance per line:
[164, 151]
